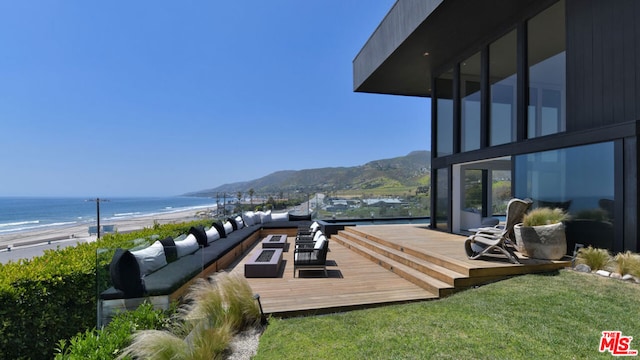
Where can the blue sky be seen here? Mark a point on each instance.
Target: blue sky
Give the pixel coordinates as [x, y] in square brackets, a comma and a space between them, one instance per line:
[155, 98]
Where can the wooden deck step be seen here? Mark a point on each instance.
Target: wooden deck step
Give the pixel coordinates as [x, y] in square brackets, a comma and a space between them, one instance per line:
[441, 273]
[427, 282]
[431, 270]
[433, 257]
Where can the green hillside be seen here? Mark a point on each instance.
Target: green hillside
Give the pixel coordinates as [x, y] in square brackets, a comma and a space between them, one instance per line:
[398, 175]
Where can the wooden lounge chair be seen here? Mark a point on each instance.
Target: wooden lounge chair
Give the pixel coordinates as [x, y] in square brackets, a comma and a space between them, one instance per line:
[311, 258]
[498, 239]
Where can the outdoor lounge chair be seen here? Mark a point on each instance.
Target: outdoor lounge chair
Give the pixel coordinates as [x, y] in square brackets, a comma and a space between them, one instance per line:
[309, 240]
[308, 234]
[311, 258]
[498, 239]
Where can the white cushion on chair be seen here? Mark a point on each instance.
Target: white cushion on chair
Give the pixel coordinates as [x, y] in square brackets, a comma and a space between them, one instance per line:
[320, 242]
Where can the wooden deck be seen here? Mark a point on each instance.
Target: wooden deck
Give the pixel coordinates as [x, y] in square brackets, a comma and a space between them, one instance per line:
[381, 264]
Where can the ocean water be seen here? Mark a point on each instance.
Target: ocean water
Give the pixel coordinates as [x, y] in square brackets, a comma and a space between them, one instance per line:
[33, 213]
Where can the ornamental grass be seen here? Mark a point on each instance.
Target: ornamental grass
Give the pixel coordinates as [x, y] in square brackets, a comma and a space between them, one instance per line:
[596, 259]
[203, 327]
[626, 263]
[544, 216]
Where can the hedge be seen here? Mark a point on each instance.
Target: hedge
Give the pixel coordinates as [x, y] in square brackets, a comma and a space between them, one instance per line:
[54, 296]
[108, 342]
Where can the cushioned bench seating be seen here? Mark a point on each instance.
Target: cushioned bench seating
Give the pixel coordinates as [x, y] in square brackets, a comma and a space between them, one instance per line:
[170, 277]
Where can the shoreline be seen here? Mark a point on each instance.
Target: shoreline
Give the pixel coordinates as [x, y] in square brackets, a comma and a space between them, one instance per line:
[80, 232]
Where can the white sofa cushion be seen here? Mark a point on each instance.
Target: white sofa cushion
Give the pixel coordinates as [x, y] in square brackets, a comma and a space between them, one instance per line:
[187, 246]
[228, 228]
[150, 258]
[265, 217]
[279, 216]
[248, 218]
[212, 235]
[239, 222]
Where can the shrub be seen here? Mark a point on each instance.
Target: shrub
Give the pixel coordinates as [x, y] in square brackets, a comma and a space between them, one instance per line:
[156, 344]
[212, 313]
[242, 311]
[634, 268]
[597, 259]
[53, 296]
[106, 343]
[626, 263]
[544, 216]
[598, 214]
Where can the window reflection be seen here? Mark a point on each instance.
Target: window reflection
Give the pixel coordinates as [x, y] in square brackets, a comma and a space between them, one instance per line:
[547, 72]
[503, 80]
[470, 103]
[444, 117]
[442, 199]
[579, 180]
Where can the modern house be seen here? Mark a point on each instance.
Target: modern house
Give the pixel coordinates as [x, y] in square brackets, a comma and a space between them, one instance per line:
[546, 90]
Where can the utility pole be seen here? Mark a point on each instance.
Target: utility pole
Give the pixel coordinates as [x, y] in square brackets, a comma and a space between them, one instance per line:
[97, 201]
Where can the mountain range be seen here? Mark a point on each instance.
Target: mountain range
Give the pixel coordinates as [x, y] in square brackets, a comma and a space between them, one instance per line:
[412, 170]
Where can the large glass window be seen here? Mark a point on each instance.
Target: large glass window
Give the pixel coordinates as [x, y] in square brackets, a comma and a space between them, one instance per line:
[480, 192]
[503, 80]
[470, 103]
[547, 72]
[472, 196]
[579, 180]
[442, 199]
[444, 110]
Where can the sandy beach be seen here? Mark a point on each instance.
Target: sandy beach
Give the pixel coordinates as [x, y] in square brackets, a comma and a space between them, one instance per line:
[26, 244]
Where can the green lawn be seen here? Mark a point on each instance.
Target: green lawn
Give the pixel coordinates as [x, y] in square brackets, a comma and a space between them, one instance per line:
[558, 316]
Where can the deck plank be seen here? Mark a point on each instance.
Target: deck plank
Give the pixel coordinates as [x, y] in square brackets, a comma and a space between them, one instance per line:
[356, 282]
[352, 282]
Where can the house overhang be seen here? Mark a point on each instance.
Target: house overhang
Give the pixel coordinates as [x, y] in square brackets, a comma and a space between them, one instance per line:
[419, 37]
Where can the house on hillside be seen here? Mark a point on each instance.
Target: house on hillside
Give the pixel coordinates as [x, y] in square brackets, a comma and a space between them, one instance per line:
[546, 89]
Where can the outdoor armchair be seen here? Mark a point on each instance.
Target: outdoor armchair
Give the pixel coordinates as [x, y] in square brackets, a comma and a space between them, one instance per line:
[498, 240]
[311, 258]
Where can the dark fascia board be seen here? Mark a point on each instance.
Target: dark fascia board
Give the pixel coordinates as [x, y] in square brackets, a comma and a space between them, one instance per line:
[393, 60]
[385, 44]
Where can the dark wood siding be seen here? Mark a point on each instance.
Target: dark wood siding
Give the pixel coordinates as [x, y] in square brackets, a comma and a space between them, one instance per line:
[603, 71]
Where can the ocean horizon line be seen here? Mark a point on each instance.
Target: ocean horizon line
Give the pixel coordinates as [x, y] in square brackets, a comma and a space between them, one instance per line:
[24, 214]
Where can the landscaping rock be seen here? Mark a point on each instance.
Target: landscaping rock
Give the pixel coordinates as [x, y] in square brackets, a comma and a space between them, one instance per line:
[603, 273]
[616, 275]
[244, 345]
[628, 277]
[582, 268]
